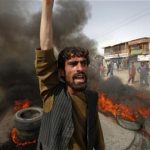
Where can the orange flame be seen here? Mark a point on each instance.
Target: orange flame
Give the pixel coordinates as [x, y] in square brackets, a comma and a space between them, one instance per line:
[21, 104]
[107, 105]
[19, 142]
[144, 112]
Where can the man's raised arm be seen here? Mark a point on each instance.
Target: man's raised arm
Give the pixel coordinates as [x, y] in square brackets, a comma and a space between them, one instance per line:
[45, 61]
[46, 32]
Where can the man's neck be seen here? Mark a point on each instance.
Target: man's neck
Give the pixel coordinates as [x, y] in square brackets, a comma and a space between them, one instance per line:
[71, 91]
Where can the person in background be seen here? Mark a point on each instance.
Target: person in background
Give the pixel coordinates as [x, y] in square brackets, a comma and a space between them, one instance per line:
[132, 72]
[143, 70]
[147, 73]
[102, 70]
[110, 69]
[70, 120]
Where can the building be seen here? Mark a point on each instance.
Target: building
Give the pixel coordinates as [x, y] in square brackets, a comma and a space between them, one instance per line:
[139, 49]
[117, 53]
[134, 50]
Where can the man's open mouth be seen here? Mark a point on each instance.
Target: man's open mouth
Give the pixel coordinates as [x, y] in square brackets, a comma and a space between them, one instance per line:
[80, 78]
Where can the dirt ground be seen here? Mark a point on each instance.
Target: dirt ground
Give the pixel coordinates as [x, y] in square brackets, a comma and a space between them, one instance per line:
[123, 75]
[6, 124]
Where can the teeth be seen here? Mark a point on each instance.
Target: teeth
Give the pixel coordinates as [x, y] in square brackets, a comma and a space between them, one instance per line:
[80, 76]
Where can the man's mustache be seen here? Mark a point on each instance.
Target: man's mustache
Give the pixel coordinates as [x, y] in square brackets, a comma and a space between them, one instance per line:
[80, 75]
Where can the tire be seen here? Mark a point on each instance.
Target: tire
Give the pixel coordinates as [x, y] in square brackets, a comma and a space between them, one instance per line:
[147, 125]
[28, 119]
[27, 135]
[130, 125]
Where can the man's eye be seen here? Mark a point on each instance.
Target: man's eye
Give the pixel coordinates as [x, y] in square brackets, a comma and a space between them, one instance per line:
[84, 63]
[73, 63]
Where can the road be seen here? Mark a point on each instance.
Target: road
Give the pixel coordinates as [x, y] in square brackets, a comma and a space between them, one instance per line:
[123, 75]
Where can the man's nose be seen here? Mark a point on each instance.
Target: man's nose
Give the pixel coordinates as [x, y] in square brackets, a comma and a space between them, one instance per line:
[80, 67]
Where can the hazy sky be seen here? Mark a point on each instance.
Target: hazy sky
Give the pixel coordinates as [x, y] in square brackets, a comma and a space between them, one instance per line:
[113, 22]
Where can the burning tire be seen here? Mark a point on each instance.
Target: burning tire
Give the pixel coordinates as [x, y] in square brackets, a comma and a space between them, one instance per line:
[28, 118]
[27, 135]
[27, 122]
[130, 125]
[147, 125]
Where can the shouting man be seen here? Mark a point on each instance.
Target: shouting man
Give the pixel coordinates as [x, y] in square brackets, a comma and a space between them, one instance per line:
[70, 120]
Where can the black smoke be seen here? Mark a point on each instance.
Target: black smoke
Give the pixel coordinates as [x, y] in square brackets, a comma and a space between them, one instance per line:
[19, 36]
[69, 20]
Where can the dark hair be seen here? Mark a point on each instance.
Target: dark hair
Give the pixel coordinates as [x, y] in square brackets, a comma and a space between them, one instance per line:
[70, 52]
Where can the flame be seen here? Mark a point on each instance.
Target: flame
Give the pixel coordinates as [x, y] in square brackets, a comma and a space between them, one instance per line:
[21, 104]
[106, 105]
[144, 112]
[19, 142]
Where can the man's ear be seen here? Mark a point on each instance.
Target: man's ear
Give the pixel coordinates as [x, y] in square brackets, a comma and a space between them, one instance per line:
[61, 72]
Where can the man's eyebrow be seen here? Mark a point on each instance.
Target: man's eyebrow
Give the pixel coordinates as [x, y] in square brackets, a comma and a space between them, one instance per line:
[73, 62]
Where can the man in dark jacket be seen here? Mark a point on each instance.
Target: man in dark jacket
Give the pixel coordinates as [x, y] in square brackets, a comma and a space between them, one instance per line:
[70, 120]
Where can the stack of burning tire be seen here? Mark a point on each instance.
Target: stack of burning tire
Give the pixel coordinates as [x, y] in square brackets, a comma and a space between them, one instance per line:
[147, 125]
[130, 125]
[27, 123]
[141, 139]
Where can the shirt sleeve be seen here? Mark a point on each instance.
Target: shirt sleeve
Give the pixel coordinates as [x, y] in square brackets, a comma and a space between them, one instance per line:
[46, 71]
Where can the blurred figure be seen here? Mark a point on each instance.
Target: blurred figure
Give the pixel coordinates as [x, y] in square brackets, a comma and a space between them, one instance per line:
[102, 70]
[147, 74]
[110, 69]
[132, 72]
[118, 64]
[143, 71]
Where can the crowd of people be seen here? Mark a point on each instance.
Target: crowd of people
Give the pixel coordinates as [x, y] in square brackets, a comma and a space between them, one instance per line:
[142, 70]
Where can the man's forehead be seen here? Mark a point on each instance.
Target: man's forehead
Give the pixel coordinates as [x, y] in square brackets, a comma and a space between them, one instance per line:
[76, 58]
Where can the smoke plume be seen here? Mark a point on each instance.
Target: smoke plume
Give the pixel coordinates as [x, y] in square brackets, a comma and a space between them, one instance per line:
[19, 36]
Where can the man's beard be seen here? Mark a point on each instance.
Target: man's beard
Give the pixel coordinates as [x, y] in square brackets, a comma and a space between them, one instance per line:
[77, 86]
